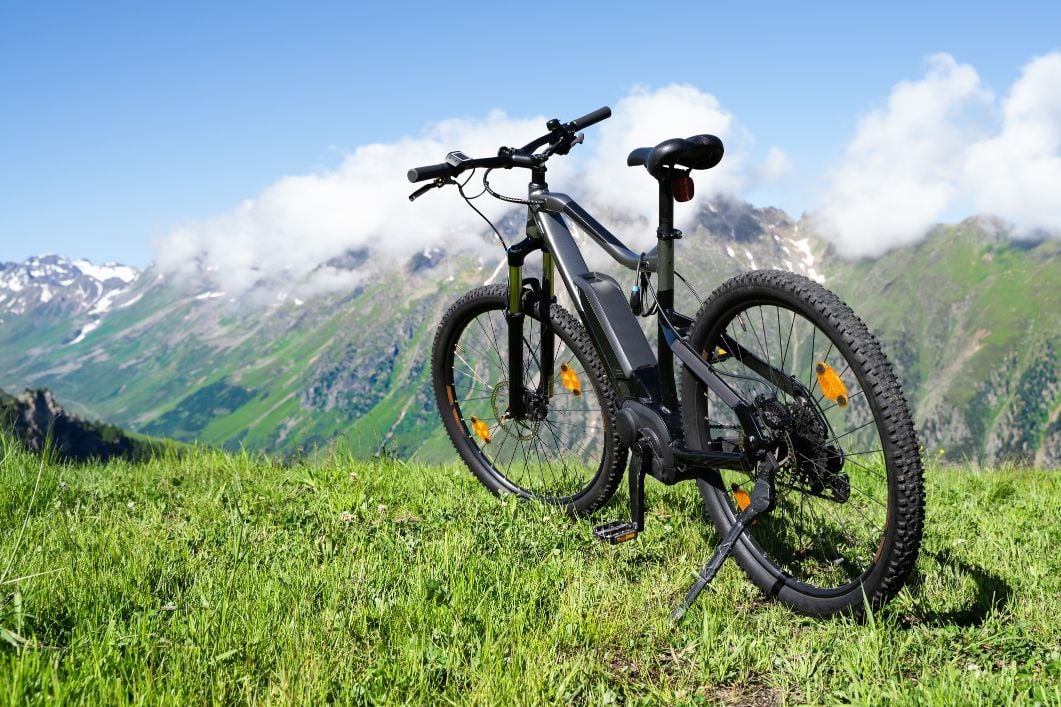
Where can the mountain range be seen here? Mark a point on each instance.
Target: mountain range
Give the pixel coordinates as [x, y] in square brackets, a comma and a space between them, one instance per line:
[970, 316]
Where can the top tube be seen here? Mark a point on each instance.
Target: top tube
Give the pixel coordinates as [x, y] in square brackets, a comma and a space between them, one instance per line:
[554, 203]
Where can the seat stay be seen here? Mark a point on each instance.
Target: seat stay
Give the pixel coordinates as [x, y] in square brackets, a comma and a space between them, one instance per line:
[768, 372]
[703, 372]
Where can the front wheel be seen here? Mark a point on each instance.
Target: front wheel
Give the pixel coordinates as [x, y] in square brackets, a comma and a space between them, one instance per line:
[564, 450]
[847, 525]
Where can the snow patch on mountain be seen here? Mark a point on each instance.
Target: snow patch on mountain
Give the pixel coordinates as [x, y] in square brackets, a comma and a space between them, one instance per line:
[131, 301]
[104, 303]
[108, 271]
[85, 330]
[808, 262]
[12, 282]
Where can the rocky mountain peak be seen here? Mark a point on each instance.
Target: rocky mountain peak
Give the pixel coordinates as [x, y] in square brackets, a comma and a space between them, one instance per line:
[40, 422]
[61, 286]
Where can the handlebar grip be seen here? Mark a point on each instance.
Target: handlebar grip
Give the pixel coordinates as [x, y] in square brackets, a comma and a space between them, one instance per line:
[591, 118]
[431, 171]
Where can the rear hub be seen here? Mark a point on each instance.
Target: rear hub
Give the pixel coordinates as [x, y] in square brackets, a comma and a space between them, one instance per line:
[806, 461]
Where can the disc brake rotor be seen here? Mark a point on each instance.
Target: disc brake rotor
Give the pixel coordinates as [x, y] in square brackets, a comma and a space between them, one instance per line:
[523, 430]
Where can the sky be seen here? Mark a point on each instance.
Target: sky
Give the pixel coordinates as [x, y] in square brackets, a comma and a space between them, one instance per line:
[139, 132]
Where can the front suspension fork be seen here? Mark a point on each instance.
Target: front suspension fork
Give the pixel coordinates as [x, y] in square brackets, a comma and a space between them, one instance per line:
[514, 316]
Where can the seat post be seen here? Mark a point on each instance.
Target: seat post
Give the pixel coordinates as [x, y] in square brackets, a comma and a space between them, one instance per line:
[666, 234]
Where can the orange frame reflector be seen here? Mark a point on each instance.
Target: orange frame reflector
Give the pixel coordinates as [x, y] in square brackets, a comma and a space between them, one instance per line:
[742, 497]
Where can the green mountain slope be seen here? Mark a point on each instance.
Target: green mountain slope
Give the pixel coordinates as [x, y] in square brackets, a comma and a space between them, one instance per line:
[279, 377]
[972, 320]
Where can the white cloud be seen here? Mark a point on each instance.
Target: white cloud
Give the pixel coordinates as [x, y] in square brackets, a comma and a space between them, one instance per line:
[900, 172]
[302, 221]
[1017, 173]
[776, 166]
[299, 222]
[944, 142]
[645, 119]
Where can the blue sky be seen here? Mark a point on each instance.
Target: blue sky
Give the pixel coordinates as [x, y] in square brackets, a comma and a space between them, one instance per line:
[120, 122]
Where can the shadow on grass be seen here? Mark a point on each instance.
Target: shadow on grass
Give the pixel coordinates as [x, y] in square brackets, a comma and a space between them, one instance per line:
[992, 594]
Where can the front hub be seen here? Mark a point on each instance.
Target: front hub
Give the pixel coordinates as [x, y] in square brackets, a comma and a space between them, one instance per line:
[535, 411]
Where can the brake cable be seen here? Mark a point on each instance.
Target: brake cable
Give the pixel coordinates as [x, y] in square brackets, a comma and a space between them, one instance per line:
[695, 294]
[641, 291]
[510, 199]
[562, 147]
[468, 201]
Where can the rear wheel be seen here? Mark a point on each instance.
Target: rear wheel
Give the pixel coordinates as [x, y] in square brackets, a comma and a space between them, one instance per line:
[565, 450]
[850, 496]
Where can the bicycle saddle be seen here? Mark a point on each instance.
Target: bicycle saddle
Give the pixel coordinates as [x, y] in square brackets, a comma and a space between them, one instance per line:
[696, 152]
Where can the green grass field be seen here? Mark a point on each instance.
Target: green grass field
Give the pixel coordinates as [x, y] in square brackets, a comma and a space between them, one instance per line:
[218, 578]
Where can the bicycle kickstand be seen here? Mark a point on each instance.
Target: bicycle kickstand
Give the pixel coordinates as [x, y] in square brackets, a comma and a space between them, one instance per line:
[763, 499]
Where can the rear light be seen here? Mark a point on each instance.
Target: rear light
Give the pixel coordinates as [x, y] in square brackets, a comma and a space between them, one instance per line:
[682, 188]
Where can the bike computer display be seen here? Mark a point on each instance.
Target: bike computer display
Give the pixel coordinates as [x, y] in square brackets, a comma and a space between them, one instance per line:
[457, 158]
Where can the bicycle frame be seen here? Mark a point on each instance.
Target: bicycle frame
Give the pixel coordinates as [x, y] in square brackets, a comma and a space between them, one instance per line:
[638, 373]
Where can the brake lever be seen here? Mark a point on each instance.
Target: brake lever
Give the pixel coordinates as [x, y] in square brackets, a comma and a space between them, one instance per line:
[437, 184]
[564, 146]
[421, 191]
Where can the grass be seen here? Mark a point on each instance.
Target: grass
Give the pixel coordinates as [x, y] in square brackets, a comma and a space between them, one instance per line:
[219, 578]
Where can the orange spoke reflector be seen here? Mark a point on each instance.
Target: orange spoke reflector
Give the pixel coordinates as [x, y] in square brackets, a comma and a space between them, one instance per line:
[830, 383]
[719, 351]
[570, 379]
[481, 429]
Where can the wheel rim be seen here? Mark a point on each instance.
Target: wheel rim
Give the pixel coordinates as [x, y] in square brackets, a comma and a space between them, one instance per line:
[556, 453]
[828, 528]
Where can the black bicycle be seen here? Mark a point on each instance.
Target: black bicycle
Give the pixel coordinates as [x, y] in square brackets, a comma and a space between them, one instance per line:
[789, 418]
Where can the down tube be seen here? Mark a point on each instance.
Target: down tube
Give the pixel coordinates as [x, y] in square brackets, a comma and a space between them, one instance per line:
[605, 313]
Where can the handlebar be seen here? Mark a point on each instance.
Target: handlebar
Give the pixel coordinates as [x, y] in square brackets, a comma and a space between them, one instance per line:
[506, 159]
[431, 171]
[590, 118]
[560, 136]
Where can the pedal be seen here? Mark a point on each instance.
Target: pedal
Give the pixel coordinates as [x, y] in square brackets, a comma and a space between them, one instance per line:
[615, 532]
